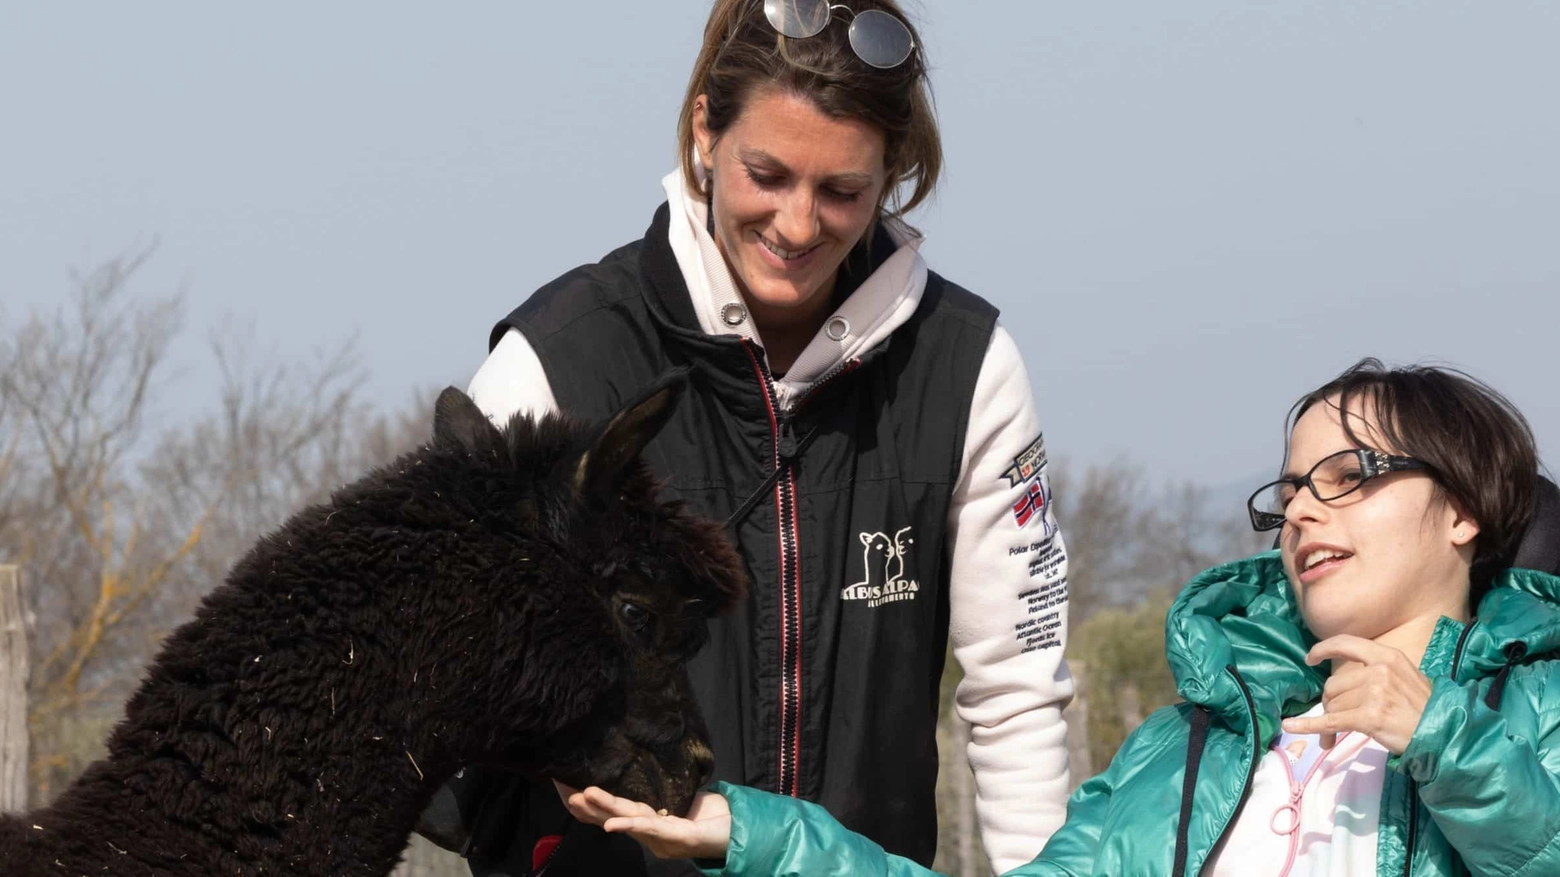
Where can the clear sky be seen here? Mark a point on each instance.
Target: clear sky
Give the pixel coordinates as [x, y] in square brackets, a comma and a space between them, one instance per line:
[1189, 212]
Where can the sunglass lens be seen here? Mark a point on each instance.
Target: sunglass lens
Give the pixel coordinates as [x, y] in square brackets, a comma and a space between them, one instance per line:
[798, 19]
[880, 39]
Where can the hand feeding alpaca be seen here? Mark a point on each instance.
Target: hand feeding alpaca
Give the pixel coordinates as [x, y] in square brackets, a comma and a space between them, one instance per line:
[515, 598]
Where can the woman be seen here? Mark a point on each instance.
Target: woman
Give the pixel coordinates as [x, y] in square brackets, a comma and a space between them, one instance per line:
[866, 427]
[1378, 696]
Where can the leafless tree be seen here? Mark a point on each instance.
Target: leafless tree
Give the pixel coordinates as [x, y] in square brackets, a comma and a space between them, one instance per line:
[124, 519]
[1128, 537]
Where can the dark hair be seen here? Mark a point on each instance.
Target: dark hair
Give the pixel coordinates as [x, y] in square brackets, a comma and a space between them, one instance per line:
[1479, 446]
[742, 52]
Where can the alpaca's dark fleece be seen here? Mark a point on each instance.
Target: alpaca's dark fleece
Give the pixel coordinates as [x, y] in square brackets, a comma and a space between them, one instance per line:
[463, 605]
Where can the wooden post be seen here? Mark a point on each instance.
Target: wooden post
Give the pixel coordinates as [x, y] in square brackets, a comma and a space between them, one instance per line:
[13, 692]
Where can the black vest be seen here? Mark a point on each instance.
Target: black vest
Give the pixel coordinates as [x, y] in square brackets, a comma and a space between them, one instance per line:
[824, 682]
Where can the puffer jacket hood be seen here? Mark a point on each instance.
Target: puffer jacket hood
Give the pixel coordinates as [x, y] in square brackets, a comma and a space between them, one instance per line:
[1243, 614]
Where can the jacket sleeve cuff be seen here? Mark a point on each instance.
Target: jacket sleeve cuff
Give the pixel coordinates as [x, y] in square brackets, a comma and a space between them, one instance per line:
[760, 822]
[778, 836]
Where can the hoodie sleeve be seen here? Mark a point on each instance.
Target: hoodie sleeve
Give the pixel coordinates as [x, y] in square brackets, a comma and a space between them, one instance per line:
[1008, 626]
[511, 381]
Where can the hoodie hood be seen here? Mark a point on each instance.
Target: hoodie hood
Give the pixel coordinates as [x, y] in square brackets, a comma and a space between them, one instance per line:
[882, 303]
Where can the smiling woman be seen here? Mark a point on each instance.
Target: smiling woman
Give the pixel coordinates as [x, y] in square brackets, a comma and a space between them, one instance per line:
[865, 427]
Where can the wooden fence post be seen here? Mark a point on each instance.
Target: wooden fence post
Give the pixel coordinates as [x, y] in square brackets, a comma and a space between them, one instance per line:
[13, 692]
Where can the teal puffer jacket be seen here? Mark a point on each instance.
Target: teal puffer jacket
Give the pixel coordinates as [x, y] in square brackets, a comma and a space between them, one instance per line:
[1476, 792]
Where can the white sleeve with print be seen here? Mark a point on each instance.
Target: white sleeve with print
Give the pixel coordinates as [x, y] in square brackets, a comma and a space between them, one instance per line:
[511, 381]
[1008, 596]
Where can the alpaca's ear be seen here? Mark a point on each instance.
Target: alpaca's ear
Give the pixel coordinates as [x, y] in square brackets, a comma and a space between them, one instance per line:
[627, 433]
[459, 425]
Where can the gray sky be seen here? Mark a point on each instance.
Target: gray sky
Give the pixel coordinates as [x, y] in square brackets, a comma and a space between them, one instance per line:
[1189, 212]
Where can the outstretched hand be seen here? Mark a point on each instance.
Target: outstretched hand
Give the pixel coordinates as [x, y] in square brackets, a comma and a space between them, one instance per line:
[705, 834]
[1374, 689]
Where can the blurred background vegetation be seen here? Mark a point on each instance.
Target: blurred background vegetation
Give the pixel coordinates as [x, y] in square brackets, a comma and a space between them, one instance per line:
[124, 504]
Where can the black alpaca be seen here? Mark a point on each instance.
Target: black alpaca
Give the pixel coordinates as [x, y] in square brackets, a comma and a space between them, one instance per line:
[515, 598]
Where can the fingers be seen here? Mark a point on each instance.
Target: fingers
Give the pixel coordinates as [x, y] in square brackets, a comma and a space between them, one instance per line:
[665, 836]
[596, 805]
[1349, 700]
[1327, 723]
[646, 829]
[581, 808]
[617, 806]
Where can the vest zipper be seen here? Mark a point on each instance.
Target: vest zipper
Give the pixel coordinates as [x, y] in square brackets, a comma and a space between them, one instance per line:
[783, 439]
[786, 450]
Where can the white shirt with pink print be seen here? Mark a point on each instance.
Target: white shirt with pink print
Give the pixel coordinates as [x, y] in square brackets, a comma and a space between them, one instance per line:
[1312, 812]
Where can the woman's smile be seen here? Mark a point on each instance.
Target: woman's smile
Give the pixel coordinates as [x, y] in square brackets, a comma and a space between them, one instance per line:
[1315, 561]
[784, 259]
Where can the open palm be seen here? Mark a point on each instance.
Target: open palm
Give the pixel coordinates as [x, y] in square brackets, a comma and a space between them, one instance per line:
[704, 834]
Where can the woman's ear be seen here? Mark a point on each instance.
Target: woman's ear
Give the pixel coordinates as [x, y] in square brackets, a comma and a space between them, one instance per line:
[703, 138]
[1464, 529]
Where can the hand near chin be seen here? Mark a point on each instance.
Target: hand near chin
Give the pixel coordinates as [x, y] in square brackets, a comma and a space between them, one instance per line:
[705, 834]
[1377, 691]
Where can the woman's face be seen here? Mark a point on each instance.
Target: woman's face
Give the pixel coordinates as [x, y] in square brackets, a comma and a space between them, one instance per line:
[1384, 556]
[794, 190]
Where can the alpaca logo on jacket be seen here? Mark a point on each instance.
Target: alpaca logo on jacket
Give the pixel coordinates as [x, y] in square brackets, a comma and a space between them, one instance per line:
[883, 570]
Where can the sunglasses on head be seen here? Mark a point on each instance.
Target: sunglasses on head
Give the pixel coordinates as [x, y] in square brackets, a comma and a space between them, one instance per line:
[877, 37]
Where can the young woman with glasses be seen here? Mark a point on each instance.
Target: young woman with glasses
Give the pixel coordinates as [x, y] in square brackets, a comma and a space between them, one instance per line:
[866, 428]
[1378, 696]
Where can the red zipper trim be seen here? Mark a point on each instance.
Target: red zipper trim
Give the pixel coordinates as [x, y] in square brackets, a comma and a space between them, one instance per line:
[790, 748]
[789, 529]
[796, 649]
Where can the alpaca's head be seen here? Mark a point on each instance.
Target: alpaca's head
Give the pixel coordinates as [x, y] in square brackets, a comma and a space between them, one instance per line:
[591, 593]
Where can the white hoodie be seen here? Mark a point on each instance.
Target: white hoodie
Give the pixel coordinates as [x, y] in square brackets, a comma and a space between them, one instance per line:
[1008, 582]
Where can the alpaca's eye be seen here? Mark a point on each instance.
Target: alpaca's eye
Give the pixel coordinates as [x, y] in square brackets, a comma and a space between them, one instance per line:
[638, 617]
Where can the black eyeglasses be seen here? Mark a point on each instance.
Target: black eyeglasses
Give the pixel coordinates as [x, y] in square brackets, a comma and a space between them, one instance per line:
[1337, 475]
[876, 37]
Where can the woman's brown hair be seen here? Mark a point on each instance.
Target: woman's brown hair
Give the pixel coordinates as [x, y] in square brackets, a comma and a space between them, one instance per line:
[743, 53]
[1479, 446]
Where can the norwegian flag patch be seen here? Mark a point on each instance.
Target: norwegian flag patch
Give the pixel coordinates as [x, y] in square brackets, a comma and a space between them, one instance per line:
[1033, 503]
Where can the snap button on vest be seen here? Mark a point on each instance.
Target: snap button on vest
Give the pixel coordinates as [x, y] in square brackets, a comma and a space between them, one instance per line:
[733, 314]
[837, 328]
